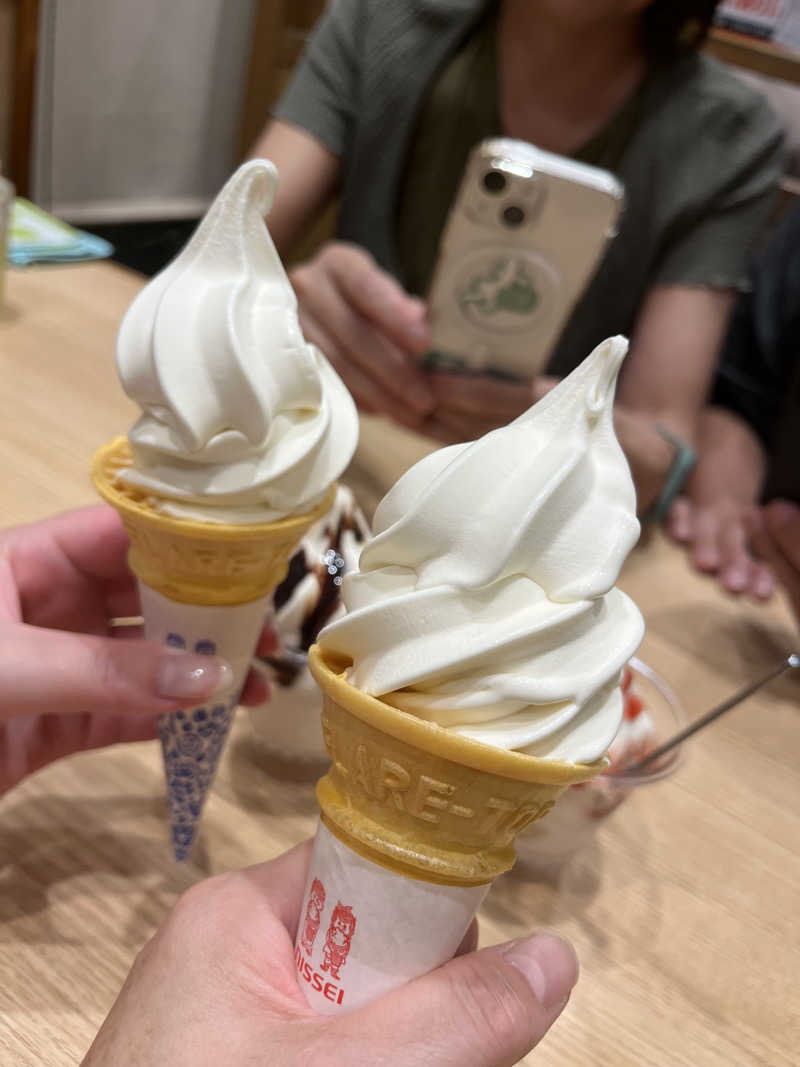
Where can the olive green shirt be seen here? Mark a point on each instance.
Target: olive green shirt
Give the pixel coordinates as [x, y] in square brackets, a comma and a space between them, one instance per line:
[401, 92]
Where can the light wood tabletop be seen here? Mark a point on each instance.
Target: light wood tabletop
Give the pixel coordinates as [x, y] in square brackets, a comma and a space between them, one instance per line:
[683, 910]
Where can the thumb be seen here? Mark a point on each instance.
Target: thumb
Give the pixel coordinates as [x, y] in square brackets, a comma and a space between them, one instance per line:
[54, 670]
[487, 1009]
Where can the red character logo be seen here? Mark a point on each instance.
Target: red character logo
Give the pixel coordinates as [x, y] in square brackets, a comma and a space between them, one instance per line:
[316, 902]
[338, 938]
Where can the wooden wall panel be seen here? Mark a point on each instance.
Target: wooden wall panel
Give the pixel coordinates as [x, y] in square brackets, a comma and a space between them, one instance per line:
[8, 29]
[280, 29]
[26, 44]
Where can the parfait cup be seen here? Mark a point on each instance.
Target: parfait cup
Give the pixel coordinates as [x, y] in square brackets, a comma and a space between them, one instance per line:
[545, 847]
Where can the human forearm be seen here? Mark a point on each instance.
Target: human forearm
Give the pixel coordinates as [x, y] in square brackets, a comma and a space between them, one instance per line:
[308, 174]
[673, 354]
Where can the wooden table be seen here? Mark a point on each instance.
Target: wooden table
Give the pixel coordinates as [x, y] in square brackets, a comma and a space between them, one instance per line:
[684, 911]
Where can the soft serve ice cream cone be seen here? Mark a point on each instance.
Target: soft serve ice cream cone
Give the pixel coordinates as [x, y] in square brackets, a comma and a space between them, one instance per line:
[474, 677]
[244, 429]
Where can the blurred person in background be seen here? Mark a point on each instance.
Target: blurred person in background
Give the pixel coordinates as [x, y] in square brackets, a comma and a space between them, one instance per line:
[382, 112]
[749, 438]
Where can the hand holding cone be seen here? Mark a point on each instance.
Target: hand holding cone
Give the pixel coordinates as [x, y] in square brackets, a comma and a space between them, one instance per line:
[244, 429]
[204, 587]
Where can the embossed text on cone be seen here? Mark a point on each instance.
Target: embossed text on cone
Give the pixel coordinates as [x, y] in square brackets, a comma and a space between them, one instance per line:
[205, 587]
[420, 800]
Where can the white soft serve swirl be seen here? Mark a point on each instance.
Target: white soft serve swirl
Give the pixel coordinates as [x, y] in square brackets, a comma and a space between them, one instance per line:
[486, 601]
[242, 419]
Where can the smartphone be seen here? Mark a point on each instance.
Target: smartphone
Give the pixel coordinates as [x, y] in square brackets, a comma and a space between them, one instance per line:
[523, 237]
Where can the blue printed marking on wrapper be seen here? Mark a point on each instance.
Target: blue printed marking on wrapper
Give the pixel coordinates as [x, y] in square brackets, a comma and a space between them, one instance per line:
[192, 742]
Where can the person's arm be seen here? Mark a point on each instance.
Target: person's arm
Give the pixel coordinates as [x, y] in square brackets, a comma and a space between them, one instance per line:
[666, 378]
[311, 128]
[721, 191]
[230, 996]
[308, 176]
[674, 347]
[711, 517]
[367, 326]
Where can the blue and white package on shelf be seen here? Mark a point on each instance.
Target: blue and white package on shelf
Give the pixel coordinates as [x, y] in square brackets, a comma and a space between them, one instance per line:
[36, 237]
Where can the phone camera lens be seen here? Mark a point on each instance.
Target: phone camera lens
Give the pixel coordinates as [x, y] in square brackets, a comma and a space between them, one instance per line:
[513, 216]
[494, 181]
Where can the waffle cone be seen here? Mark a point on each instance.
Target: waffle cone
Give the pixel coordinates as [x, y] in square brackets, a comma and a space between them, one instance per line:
[198, 562]
[422, 801]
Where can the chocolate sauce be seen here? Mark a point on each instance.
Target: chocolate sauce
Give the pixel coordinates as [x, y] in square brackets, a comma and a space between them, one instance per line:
[329, 572]
[286, 667]
[328, 569]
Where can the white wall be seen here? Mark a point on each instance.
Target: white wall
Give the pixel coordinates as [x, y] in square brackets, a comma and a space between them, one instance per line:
[138, 105]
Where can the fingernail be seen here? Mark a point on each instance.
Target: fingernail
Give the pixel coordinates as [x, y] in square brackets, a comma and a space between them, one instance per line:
[188, 677]
[735, 578]
[549, 965]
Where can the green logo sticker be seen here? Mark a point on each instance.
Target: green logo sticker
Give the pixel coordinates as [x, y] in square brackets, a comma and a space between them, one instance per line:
[505, 286]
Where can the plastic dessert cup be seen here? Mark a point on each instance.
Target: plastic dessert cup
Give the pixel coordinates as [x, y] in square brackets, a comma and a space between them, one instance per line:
[204, 587]
[545, 847]
[289, 725]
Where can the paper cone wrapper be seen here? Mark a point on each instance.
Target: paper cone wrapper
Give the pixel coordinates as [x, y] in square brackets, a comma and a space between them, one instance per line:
[205, 588]
[364, 930]
[422, 821]
[192, 740]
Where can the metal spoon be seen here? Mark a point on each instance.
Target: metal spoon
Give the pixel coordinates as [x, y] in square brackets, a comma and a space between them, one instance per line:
[791, 663]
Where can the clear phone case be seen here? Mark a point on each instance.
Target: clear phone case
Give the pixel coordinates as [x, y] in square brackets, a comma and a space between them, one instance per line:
[524, 236]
